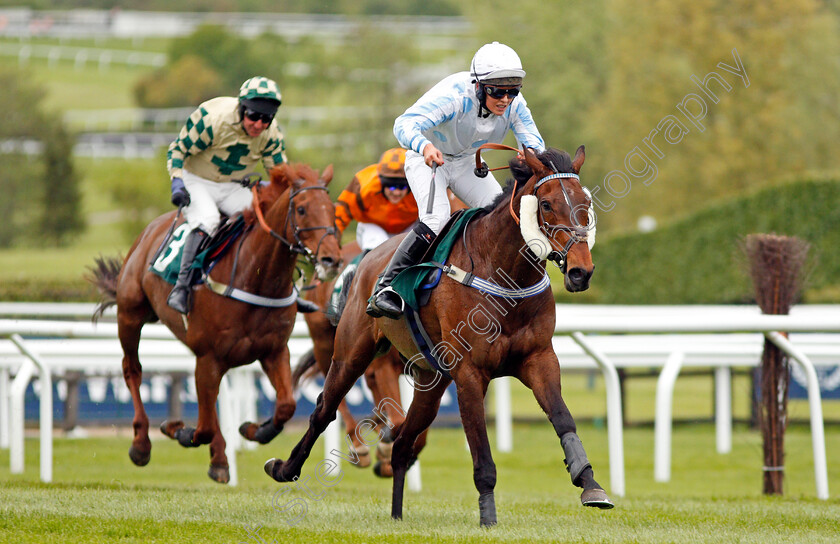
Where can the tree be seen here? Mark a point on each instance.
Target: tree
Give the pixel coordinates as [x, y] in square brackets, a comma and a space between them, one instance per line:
[768, 124]
[61, 215]
[41, 201]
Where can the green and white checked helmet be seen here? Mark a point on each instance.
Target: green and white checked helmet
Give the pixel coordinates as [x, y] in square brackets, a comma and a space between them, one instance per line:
[260, 94]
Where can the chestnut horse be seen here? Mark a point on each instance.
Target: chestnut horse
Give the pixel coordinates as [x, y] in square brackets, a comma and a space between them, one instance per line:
[296, 216]
[506, 336]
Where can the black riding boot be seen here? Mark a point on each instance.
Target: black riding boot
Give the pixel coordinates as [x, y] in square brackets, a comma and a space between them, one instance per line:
[385, 301]
[180, 295]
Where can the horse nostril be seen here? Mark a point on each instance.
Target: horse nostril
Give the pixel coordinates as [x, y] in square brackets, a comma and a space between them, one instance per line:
[328, 261]
[576, 275]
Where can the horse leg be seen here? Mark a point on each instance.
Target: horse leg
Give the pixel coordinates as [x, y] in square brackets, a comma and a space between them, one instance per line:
[360, 449]
[340, 378]
[420, 415]
[208, 376]
[541, 373]
[471, 392]
[129, 333]
[279, 373]
[384, 383]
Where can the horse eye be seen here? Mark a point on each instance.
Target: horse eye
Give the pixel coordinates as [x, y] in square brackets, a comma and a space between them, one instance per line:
[545, 205]
[301, 210]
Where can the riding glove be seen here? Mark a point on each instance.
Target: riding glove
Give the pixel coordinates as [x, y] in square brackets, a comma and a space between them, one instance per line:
[180, 196]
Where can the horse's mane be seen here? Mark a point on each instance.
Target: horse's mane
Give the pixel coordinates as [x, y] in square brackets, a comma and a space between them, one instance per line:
[554, 159]
[282, 177]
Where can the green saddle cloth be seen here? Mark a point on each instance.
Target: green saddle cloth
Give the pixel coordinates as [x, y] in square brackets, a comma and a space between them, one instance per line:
[411, 282]
[168, 263]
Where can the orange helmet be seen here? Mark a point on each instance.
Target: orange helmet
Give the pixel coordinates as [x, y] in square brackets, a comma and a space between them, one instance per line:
[392, 164]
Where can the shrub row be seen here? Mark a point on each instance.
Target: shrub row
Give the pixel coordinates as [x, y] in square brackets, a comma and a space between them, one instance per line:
[699, 259]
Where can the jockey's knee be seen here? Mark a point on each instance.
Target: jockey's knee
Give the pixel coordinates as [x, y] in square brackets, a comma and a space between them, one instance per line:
[207, 223]
[434, 222]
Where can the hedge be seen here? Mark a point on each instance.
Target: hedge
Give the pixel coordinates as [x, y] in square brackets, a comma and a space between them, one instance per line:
[699, 260]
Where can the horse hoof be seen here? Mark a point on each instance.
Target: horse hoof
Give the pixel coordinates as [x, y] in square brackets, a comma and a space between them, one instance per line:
[383, 451]
[139, 457]
[169, 428]
[364, 460]
[247, 430]
[596, 498]
[273, 467]
[219, 473]
[383, 470]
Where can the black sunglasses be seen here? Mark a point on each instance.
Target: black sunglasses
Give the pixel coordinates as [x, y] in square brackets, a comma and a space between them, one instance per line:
[498, 92]
[395, 186]
[257, 116]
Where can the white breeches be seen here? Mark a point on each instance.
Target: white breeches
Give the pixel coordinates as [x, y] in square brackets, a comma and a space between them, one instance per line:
[458, 175]
[207, 198]
[370, 235]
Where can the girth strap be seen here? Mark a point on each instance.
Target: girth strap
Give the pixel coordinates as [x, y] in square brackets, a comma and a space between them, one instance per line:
[485, 286]
[250, 298]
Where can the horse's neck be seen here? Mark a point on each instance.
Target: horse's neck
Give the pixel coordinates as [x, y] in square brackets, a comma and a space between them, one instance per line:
[497, 239]
[266, 265]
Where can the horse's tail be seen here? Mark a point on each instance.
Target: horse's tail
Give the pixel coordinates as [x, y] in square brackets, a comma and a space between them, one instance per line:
[103, 274]
[306, 369]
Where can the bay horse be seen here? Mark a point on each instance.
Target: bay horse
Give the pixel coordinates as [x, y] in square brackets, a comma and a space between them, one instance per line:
[501, 336]
[381, 377]
[295, 216]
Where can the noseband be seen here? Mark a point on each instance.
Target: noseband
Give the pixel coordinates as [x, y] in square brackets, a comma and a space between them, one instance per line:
[576, 234]
[298, 246]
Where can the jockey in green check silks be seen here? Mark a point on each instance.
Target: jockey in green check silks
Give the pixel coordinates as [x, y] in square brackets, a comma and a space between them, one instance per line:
[223, 140]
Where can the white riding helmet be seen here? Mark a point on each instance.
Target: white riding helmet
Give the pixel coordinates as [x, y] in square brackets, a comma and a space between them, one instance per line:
[496, 61]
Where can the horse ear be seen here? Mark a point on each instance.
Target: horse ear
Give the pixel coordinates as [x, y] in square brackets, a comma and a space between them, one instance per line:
[280, 177]
[532, 161]
[580, 156]
[327, 175]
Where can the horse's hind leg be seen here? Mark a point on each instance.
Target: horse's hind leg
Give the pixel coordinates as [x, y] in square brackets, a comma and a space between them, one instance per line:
[278, 370]
[360, 449]
[424, 408]
[541, 373]
[129, 326]
[341, 377]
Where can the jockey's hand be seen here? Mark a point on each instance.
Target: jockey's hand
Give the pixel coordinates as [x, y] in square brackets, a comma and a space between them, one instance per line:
[180, 196]
[432, 155]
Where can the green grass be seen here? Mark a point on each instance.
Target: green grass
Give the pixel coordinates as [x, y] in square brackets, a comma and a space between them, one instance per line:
[98, 496]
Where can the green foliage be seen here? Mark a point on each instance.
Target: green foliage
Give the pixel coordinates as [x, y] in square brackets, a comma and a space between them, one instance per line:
[41, 198]
[189, 81]
[562, 47]
[350, 7]
[769, 128]
[699, 260]
[61, 215]
[140, 190]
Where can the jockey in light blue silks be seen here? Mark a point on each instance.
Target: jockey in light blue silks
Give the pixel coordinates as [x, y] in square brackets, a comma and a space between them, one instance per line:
[443, 129]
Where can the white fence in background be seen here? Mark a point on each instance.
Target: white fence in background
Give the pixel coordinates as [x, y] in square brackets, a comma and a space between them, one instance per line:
[606, 337]
[26, 23]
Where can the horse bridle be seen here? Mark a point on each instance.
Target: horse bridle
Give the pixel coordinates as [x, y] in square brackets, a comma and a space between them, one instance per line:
[576, 234]
[298, 246]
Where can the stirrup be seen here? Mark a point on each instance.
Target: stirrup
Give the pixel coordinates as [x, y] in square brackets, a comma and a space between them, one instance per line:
[381, 296]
